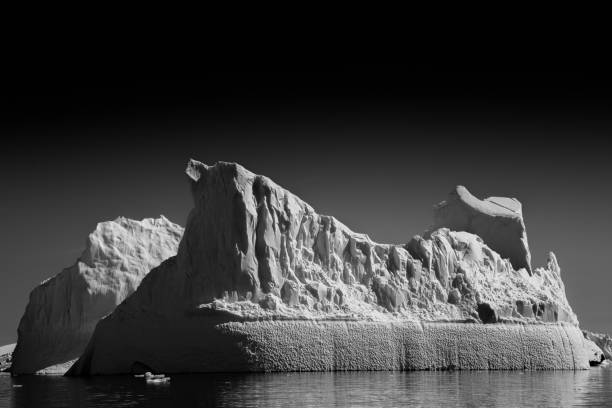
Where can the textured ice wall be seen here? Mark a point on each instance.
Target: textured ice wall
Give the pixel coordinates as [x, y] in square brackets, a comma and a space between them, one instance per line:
[63, 310]
[212, 345]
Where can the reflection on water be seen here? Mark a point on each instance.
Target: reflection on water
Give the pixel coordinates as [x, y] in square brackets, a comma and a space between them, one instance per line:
[343, 389]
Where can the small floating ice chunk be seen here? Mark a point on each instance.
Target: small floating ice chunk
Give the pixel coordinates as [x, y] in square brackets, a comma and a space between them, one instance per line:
[163, 380]
[148, 375]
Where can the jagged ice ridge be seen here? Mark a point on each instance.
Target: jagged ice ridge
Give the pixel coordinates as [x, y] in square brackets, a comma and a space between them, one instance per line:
[259, 273]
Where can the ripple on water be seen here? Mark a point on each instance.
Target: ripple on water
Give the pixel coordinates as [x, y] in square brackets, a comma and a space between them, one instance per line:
[341, 389]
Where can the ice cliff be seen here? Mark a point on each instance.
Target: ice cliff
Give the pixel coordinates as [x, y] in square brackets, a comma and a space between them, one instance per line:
[261, 281]
[603, 341]
[6, 354]
[497, 220]
[63, 311]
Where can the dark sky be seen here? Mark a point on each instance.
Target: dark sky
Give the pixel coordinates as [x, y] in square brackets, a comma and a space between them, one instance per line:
[374, 146]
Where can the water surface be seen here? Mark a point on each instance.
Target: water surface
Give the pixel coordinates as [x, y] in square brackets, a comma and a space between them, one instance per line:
[341, 389]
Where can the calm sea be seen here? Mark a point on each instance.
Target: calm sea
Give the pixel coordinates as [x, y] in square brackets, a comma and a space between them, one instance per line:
[345, 389]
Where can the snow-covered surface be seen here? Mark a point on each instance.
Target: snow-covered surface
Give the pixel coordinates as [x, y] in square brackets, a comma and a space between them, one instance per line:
[257, 250]
[253, 252]
[63, 310]
[603, 341]
[5, 356]
[7, 349]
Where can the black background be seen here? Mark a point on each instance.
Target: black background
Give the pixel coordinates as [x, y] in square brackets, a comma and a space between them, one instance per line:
[376, 146]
